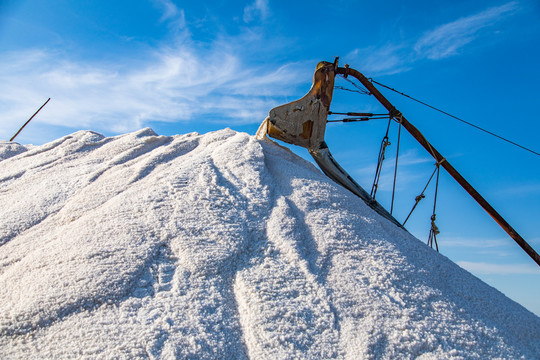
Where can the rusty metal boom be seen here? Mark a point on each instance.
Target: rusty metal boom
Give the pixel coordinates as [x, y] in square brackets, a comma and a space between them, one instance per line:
[303, 123]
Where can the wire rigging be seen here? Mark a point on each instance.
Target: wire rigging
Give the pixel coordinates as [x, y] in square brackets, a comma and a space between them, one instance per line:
[455, 117]
[395, 169]
[434, 231]
[351, 90]
[359, 88]
[384, 144]
[356, 119]
[420, 197]
[357, 116]
[371, 89]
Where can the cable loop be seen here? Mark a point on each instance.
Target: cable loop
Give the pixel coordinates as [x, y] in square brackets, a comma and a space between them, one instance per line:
[438, 163]
[433, 232]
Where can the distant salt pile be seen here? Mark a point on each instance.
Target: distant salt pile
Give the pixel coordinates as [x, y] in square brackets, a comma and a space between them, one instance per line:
[223, 246]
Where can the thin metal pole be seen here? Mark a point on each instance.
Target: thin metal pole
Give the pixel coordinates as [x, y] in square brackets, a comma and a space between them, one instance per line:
[444, 163]
[26, 123]
[395, 169]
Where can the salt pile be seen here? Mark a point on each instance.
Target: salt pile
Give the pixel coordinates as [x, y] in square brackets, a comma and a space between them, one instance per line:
[223, 246]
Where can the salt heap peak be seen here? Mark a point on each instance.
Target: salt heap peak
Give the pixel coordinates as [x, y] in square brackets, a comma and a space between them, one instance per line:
[223, 246]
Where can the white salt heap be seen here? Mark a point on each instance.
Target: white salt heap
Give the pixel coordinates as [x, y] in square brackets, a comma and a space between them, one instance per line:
[220, 246]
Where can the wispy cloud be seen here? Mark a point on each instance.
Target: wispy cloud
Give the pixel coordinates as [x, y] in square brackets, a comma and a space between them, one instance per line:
[495, 248]
[447, 39]
[181, 83]
[407, 172]
[171, 13]
[499, 269]
[476, 243]
[501, 248]
[520, 190]
[388, 59]
[170, 10]
[259, 9]
[438, 43]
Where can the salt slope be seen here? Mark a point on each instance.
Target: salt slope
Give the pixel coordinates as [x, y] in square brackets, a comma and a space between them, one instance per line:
[223, 246]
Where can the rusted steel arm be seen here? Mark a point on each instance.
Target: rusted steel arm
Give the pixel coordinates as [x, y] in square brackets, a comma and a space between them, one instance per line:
[441, 160]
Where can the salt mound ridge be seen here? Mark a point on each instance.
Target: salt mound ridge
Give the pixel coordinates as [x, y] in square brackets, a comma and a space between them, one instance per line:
[223, 246]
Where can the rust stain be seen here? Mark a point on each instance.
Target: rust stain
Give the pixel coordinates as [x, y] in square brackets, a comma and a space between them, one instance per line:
[307, 129]
[276, 133]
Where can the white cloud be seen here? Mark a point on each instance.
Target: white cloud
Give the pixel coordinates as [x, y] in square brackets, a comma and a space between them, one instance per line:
[170, 10]
[447, 39]
[477, 243]
[172, 13]
[258, 9]
[500, 269]
[520, 190]
[172, 85]
[439, 43]
[386, 60]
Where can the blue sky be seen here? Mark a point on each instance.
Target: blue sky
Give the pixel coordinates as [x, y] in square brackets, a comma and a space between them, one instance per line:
[178, 67]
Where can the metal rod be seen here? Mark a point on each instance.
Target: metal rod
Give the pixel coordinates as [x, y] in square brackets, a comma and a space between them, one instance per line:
[359, 119]
[352, 113]
[26, 123]
[442, 161]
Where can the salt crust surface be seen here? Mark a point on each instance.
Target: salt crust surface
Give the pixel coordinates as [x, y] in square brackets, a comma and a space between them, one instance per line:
[221, 246]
